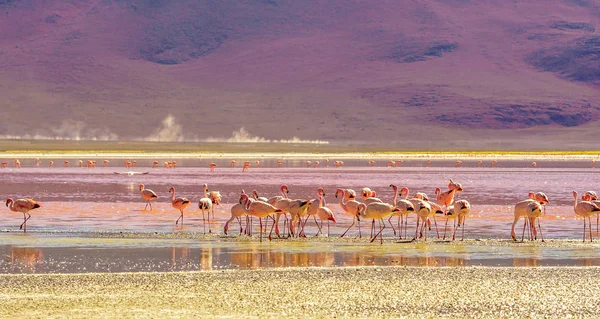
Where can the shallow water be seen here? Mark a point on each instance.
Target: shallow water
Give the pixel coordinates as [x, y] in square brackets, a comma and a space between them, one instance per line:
[78, 202]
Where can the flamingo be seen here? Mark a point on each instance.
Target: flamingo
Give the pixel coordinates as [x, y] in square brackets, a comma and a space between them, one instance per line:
[391, 164]
[232, 163]
[237, 211]
[246, 166]
[206, 205]
[17, 163]
[525, 207]
[369, 196]
[458, 163]
[323, 213]
[398, 163]
[260, 210]
[459, 212]
[371, 163]
[533, 164]
[494, 162]
[212, 167]
[585, 209]
[376, 211]
[154, 164]
[80, 163]
[278, 163]
[350, 207]
[479, 163]
[66, 163]
[405, 207]
[180, 203]
[22, 205]
[148, 195]
[105, 163]
[317, 164]
[50, 164]
[273, 200]
[315, 205]
[257, 163]
[308, 163]
[446, 198]
[593, 197]
[428, 162]
[4, 164]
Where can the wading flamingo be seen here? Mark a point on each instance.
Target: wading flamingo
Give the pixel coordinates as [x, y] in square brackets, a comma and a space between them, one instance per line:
[405, 207]
[323, 213]
[260, 210]
[523, 208]
[375, 211]
[350, 206]
[22, 205]
[369, 196]
[459, 211]
[585, 209]
[237, 212]
[212, 167]
[179, 203]
[205, 205]
[592, 197]
[148, 195]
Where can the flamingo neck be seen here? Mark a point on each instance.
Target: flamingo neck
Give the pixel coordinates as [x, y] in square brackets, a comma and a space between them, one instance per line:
[395, 196]
[173, 196]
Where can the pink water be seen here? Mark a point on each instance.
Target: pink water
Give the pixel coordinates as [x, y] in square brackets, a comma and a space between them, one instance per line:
[79, 203]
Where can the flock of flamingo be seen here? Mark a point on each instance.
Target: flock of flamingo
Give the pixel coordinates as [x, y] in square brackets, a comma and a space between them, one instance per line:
[297, 212]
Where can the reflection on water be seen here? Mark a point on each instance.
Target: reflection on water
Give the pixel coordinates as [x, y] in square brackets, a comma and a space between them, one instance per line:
[235, 255]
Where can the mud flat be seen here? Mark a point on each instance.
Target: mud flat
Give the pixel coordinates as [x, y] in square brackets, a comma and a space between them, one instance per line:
[365, 292]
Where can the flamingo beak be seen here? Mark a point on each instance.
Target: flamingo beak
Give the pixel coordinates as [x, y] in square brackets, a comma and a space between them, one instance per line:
[331, 218]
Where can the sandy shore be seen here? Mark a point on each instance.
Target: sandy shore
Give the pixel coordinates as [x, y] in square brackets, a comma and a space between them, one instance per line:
[302, 293]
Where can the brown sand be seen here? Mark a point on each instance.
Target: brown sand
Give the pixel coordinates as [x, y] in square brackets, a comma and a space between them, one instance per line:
[472, 292]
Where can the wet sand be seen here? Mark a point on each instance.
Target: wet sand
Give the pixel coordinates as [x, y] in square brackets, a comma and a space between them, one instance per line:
[366, 292]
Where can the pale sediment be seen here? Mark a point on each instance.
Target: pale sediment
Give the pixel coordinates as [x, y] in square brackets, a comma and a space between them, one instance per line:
[473, 292]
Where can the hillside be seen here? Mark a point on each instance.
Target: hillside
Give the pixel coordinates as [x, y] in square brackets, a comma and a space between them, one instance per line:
[429, 72]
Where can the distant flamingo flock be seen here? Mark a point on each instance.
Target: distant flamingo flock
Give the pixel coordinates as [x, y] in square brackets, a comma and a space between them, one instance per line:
[294, 214]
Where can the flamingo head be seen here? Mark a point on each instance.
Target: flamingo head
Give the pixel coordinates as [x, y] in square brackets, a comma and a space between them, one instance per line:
[394, 187]
[321, 191]
[366, 193]
[285, 189]
[255, 194]
[575, 194]
[592, 195]
[9, 201]
[403, 191]
[172, 190]
[205, 187]
[541, 198]
[438, 191]
[337, 191]
[331, 218]
[141, 187]
[243, 198]
[350, 194]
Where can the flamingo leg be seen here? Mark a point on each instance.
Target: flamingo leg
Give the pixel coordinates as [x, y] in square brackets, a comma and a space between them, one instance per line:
[272, 226]
[416, 229]
[589, 223]
[148, 202]
[445, 226]
[390, 221]
[380, 233]
[204, 221]
[359, 233]
[454, 228]
[261, 228]
[209, 224]
[372, 228]
[524, 225]
[584, 229]
[318, 232]
[436, 228]
[353, 220]
[406, 226]
[399, 224]
[327, 228]
[24, 224]
[540, 226]
[180, 217]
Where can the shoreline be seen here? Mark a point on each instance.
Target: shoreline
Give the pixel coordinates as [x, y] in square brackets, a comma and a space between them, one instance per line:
[366, 292]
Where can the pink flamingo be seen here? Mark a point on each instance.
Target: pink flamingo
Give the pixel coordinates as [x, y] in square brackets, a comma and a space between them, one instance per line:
[212, 167]
[528, 209]
[233, 163]
[369, 196]
[350, 207]
[148, 195]
[371, 163]
[66, 163]
[105, 163]
[317, 164]
[308, 163]
[154, 164]
[592, 197]
[405, 207]
[459, 212]
[585, 209]
[376, 211]
[237, 211]
[260, 210]
[180, 203]
[22, 205]
[205, 205]
[323, 213]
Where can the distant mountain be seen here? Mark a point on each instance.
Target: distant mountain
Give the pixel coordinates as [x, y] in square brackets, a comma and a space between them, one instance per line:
[436, 73]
